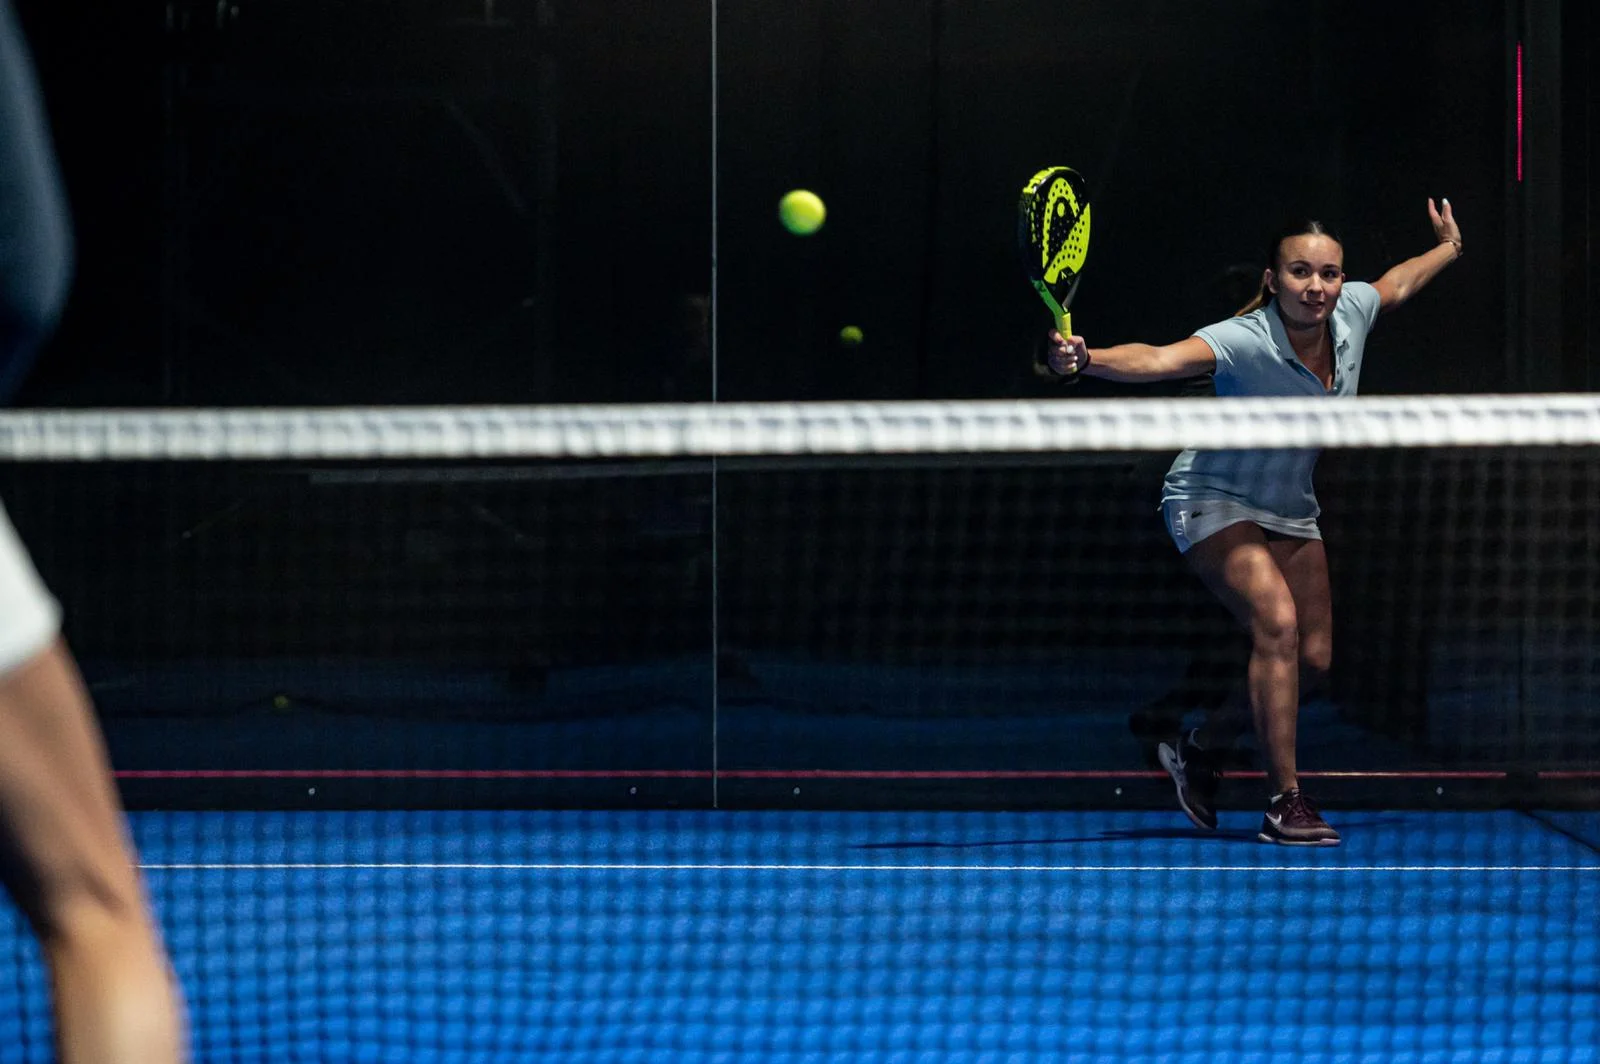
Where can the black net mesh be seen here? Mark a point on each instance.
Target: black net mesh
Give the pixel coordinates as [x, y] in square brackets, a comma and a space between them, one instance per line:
[532, 758]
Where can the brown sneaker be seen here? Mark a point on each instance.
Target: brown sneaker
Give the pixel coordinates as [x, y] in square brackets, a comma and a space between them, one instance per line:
[1292, 820]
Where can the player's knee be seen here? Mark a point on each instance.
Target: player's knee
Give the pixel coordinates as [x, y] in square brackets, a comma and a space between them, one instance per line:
[77, 901]
[1274, 628]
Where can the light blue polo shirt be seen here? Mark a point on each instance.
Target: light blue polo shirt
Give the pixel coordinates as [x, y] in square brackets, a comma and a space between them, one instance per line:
[1254, 358]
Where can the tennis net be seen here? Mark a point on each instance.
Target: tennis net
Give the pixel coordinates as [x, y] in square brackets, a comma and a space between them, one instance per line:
[333, 647]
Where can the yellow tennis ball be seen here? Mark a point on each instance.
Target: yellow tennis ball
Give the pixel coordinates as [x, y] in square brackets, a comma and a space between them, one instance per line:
[801, 212]
[850, 335]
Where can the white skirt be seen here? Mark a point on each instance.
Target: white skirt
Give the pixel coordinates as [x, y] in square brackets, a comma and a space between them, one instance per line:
[1191, 520]
[30, 618]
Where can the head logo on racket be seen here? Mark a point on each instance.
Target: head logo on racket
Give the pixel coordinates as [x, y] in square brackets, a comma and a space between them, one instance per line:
[1053, 237]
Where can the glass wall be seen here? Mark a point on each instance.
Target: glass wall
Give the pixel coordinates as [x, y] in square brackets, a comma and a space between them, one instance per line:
[546, 201]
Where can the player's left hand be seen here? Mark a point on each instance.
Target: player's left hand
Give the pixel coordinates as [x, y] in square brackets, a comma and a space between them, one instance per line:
[1444, 225]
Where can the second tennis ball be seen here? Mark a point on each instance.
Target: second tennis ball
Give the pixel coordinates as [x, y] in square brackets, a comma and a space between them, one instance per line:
[801, 212]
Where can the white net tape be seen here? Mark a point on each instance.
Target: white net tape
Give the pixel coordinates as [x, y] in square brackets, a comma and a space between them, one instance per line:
[659, 430]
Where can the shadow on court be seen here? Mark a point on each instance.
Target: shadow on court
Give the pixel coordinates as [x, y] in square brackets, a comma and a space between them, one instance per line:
[1224, 835]
[1104, 836]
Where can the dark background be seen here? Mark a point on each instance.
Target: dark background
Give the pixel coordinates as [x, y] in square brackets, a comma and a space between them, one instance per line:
[348, 201]
[536, 201]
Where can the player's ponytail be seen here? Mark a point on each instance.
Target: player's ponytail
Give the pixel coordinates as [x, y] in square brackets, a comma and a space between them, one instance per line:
[1309, 227]
[1261, 299]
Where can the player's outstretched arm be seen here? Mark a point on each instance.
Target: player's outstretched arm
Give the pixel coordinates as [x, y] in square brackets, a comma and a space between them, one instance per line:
[1407, 278]
[1130, 362]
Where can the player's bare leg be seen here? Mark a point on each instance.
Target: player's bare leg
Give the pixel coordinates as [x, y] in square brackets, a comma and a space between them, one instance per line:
[1238, 566]
[68, 863]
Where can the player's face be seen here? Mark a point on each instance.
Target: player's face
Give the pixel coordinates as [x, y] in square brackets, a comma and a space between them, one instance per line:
[1308, 279]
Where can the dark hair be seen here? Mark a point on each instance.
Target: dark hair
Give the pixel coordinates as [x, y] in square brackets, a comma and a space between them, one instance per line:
[1309, 227]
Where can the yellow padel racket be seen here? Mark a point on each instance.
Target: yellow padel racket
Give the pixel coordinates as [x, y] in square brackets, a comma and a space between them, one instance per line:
[1053, 237]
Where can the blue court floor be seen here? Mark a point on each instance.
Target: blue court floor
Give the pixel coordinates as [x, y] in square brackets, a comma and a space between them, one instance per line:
[904, 937]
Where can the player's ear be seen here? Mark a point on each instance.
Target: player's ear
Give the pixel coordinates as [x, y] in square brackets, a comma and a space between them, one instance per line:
[1271, 282]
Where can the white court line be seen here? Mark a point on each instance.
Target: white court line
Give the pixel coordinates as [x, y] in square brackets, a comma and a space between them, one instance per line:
[1060, 869]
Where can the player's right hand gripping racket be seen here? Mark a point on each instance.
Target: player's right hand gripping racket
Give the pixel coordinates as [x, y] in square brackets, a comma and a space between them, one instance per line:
[1053, 239]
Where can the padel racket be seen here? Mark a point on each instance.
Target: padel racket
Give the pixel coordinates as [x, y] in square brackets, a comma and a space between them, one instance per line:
[1053, 237]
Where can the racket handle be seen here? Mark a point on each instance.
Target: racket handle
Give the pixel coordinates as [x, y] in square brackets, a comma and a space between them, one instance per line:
[1064, 324]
